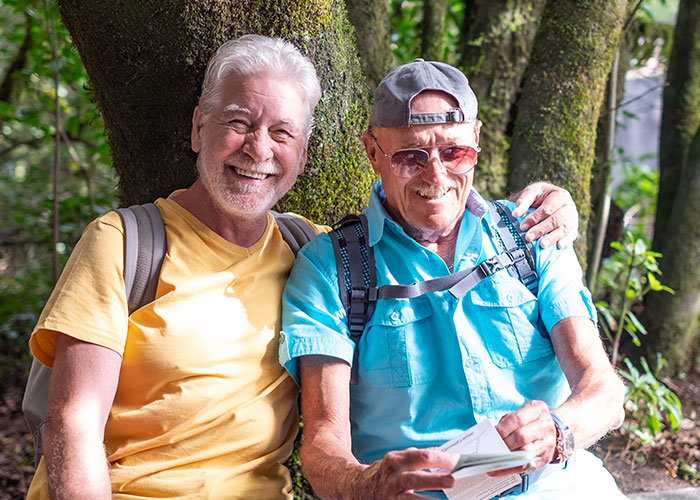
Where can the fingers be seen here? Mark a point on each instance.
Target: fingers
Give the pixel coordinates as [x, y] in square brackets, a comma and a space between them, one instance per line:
[559, 227]
[555, 217]
[399, 473]
[526, 198]
[421, 458]
[529, 428]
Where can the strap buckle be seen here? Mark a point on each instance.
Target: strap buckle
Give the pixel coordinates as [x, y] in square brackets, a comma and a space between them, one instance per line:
[489, 266]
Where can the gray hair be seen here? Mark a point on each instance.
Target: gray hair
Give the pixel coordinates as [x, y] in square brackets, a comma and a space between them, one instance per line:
[254, 54]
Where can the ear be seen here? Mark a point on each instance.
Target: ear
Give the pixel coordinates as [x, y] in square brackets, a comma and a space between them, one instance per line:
[372, 151]
[195, 138]
[477, 131]
[302, 159]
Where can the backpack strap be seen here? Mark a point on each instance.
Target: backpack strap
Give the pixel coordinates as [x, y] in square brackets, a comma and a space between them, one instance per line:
[144, 250]
[512, 239]
[296, 232]
[357, 280]
[357, 277]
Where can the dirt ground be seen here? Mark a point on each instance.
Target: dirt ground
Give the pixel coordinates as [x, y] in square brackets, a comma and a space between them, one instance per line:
[675, 460]
[668, 465]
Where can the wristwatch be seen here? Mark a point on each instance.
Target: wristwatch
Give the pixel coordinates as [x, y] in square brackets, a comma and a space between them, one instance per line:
[565, 441]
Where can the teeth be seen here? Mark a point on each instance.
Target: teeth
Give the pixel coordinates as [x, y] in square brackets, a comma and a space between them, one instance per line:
[252, 175]
[432, 193]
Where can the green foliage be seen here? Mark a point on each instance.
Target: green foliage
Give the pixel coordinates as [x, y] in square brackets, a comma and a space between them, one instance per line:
[27, 118]
[627, 276]
[651, 406]
[405, 17]
[636, 195]
[653, 31]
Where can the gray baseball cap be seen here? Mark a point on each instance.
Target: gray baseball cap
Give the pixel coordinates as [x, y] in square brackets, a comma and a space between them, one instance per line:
[393, 95]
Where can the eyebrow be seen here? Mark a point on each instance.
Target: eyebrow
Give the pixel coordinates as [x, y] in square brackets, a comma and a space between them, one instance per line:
[235, 107]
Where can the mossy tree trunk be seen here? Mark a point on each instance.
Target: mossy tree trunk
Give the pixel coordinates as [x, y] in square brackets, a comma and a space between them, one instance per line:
[432, 46]
[673, 321]
[681, 113]
[496, 41]
[373, 33]
[555, 130]
[146, 59]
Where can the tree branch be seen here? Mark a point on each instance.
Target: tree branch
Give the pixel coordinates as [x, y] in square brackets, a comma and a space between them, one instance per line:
[19, 61]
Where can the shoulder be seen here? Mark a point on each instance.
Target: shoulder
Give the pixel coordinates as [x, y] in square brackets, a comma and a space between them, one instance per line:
[300, 219]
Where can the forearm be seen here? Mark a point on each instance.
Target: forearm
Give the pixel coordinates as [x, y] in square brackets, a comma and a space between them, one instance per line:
[595, 405]
[330, 467]
[594, 408]
[75, 460]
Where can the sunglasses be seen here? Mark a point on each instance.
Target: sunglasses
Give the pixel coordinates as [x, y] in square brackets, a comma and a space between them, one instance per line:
[409, 162]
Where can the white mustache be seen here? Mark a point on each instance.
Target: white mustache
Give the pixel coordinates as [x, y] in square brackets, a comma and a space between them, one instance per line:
[244, 162]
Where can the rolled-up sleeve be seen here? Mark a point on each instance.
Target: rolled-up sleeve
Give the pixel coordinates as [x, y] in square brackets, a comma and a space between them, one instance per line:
[313, 317]
[562, 293]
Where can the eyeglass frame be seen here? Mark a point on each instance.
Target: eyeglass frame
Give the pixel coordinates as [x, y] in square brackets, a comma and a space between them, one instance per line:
[425, 148]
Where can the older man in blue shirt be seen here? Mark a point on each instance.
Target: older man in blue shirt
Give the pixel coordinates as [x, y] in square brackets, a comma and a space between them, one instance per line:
[432, 366]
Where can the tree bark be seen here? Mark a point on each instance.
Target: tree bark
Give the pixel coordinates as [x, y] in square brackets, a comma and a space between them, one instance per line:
[555, 130]
[496, 42]
[433, 30]
[373, 34]
[673, 321]
[146, 59]
[681, 113]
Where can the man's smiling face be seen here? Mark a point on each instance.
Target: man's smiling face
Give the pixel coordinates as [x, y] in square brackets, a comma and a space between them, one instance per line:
[430, 204]
[252, 146]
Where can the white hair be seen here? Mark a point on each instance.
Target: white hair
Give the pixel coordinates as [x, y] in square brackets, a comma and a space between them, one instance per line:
[255, 54]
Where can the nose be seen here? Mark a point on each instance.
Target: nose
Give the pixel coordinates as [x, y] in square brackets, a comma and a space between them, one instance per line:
[257, 145]
[434, 172]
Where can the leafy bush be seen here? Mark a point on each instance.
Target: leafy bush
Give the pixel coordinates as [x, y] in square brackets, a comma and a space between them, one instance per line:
[649, 402]
[627, 276]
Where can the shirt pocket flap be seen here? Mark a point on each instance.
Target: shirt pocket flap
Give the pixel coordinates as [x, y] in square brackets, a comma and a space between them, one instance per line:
[501, 290]
[399, 312]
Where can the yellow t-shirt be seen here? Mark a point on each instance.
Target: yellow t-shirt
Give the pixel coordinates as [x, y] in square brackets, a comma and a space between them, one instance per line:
[202, 409]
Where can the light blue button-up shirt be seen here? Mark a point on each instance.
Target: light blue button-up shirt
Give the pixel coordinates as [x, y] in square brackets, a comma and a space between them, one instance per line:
[433, 366]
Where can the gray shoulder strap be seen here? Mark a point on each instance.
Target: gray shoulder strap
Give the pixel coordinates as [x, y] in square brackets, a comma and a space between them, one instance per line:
[295, 230]
[144, 250]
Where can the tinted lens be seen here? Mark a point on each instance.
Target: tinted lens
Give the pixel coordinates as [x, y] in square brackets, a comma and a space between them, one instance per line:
[458, 158]
[408, 162]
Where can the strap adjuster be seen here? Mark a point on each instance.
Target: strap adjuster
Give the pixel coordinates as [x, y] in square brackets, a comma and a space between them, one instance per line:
[487, 266]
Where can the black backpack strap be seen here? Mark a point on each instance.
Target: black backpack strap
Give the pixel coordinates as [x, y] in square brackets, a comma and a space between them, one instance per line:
[144, 250]
[512, 239]
[357, 277]
[510, 235]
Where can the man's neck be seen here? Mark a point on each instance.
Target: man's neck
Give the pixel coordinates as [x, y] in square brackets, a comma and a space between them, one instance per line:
[239, 230]
[444, 246]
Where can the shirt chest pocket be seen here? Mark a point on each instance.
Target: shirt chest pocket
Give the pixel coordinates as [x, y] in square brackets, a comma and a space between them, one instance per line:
[506, 316]
[397, 349]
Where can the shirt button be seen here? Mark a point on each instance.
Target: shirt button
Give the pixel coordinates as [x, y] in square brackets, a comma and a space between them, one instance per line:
[510, 297]
[469, 363]
[395, 316]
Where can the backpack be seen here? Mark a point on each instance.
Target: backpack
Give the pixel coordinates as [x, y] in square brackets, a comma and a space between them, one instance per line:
[144, 250]
[357, 279]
